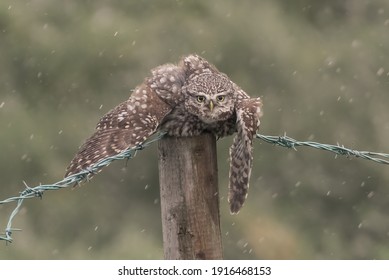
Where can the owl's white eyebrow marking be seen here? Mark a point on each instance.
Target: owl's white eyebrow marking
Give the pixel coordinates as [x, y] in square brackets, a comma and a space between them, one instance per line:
[195, 94]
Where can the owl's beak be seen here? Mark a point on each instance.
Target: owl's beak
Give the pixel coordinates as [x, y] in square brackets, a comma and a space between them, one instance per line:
[211, 105]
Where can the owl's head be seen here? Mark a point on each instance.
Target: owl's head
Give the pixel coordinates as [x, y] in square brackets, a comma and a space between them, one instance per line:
[209, 96]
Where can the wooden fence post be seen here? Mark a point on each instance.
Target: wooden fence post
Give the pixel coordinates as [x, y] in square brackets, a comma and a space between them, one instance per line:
[189, 197]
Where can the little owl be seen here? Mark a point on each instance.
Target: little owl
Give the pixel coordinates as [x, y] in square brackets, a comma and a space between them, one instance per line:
[182, 100]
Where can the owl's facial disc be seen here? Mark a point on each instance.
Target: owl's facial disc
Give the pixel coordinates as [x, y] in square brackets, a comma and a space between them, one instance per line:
[210, 97]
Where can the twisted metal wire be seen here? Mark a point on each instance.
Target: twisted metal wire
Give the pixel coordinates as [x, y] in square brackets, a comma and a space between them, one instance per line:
[288, 142]
[283, 141]
[69, 181]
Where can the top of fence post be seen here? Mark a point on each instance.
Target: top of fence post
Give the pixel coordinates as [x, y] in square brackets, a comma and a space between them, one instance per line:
[189, 197]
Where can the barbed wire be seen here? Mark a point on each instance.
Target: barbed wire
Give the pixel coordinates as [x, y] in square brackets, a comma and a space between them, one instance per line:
[288, 142]
[283, 141]
[69, 181]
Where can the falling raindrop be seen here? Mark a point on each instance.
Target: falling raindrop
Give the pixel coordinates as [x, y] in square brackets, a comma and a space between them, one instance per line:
[380, 71]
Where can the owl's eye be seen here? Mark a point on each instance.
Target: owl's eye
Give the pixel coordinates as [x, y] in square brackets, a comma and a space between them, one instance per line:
[200, 98]
[220, 98]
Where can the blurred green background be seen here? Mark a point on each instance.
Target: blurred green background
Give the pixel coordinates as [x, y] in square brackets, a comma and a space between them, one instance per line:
[321, 67]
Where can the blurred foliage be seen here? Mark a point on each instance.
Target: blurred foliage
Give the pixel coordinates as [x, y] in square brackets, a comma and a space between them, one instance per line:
[321, 68]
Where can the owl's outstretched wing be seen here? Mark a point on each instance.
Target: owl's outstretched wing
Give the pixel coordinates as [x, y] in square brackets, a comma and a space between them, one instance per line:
[133, 121]
[248, 112]
[127, 125]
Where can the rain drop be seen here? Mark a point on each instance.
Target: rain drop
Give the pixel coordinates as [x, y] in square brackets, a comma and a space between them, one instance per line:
[380, 71]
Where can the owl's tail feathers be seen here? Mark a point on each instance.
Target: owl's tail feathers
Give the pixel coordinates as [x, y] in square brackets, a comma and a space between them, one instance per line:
[248, 113]
[102, 144]
[240, 170]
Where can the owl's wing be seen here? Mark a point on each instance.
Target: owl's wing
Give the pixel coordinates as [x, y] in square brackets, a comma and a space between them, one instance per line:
[127, 125]
[248, 112]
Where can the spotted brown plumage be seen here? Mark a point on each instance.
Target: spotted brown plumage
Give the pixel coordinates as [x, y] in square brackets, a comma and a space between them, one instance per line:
[186, 99]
